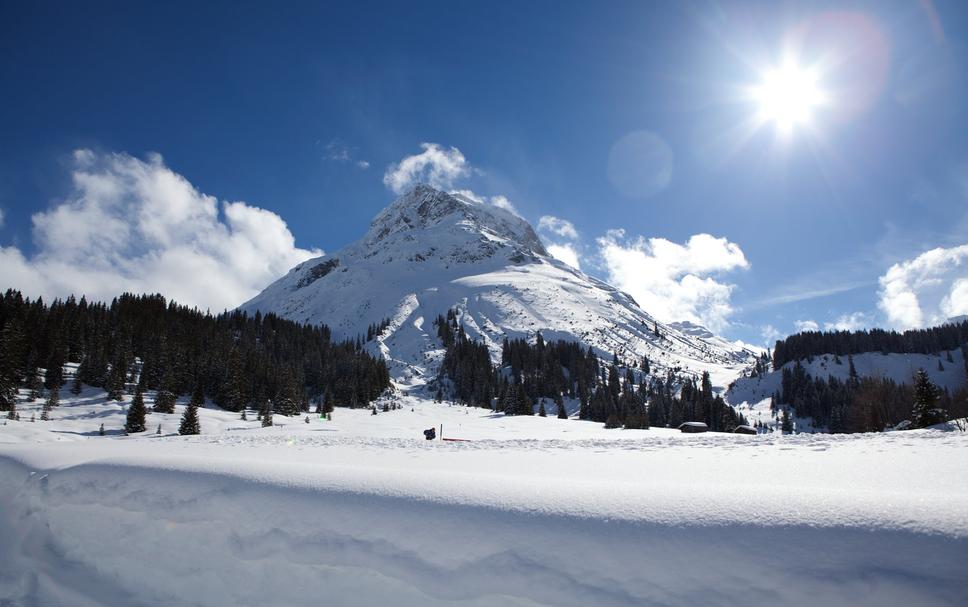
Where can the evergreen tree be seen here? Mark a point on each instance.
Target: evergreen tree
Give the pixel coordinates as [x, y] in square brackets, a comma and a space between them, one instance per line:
[786, 424]
[116, 379]
[562, 414]
[54, 377]
[135, 421]
[926, 394]
[189, 421]
[267, 415]
[12, 346]
[541, 409]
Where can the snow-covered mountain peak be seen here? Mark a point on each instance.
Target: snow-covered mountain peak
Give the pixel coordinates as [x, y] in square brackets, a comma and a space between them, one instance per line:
[430, 252]
[425, 208]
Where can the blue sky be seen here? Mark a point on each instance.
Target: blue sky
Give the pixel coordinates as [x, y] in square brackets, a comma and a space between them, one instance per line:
[632, 116]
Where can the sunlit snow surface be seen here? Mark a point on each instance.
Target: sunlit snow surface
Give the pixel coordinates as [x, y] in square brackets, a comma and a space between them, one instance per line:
[362, 510]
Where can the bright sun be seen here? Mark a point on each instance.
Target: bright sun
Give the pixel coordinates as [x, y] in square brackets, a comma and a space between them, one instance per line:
[788, 95]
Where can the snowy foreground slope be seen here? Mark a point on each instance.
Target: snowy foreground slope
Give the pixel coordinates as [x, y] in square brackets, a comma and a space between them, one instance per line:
[531, 511]
[430, 252]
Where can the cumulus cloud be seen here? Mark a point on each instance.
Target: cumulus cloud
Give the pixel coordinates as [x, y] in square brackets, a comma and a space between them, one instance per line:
[566, 253]
[435, 166]
[675, 281]
[559, 227]
[770, 334]
[849, 322]
[553, 230]
[926, 290]
[135, 225]
[807, 325]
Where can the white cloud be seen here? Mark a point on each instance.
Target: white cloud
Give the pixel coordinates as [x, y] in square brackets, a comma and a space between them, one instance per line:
[337, 151]
[807, 325]
[849, 322]
[566, 253]
[502, 202]
[926, 290]
[674, 281]
[435, 166]
[558, 226]
[135, 225]
[770, 334]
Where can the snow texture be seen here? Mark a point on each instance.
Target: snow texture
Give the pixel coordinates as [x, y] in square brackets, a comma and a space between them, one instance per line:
[362, 510]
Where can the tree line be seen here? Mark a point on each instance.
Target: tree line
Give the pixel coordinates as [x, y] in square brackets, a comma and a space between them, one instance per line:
[233, 358]
[614, 394]
[933, 340]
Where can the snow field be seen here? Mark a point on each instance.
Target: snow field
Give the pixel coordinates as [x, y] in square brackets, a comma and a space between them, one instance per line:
[529, 511]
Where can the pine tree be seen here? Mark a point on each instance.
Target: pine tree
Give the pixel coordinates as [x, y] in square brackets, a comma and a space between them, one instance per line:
[926, 394]
[54, 377]
[267, 414]
[76, 385]
[541, 409]
[53, 400]
[786, 424]
[328, 402]
[562, 414]
[116, 379]
[12, 345]
[135, 421]
[189, 421]
[100, 430]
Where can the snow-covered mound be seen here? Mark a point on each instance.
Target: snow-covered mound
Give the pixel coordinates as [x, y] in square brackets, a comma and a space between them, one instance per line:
[361, 510]
[431, 251]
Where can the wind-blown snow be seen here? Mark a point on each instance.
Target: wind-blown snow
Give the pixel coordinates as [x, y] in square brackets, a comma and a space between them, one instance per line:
[530, 511]
[430, 251]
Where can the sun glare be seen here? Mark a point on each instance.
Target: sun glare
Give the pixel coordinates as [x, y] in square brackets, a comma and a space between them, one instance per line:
[788, 95]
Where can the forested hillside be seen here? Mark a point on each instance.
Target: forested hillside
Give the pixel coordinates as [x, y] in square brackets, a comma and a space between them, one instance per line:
[233, 358]
[616, 393]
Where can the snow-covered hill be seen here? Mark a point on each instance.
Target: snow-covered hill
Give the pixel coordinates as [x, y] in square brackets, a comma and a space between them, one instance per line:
[430, 251]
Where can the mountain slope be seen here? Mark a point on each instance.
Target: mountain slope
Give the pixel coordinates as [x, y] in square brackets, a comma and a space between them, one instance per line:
[430, 251]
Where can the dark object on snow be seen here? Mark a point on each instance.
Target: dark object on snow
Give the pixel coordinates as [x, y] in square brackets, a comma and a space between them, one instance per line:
[745, 430]
[430, 434]
[693, 427]
[903, 425]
